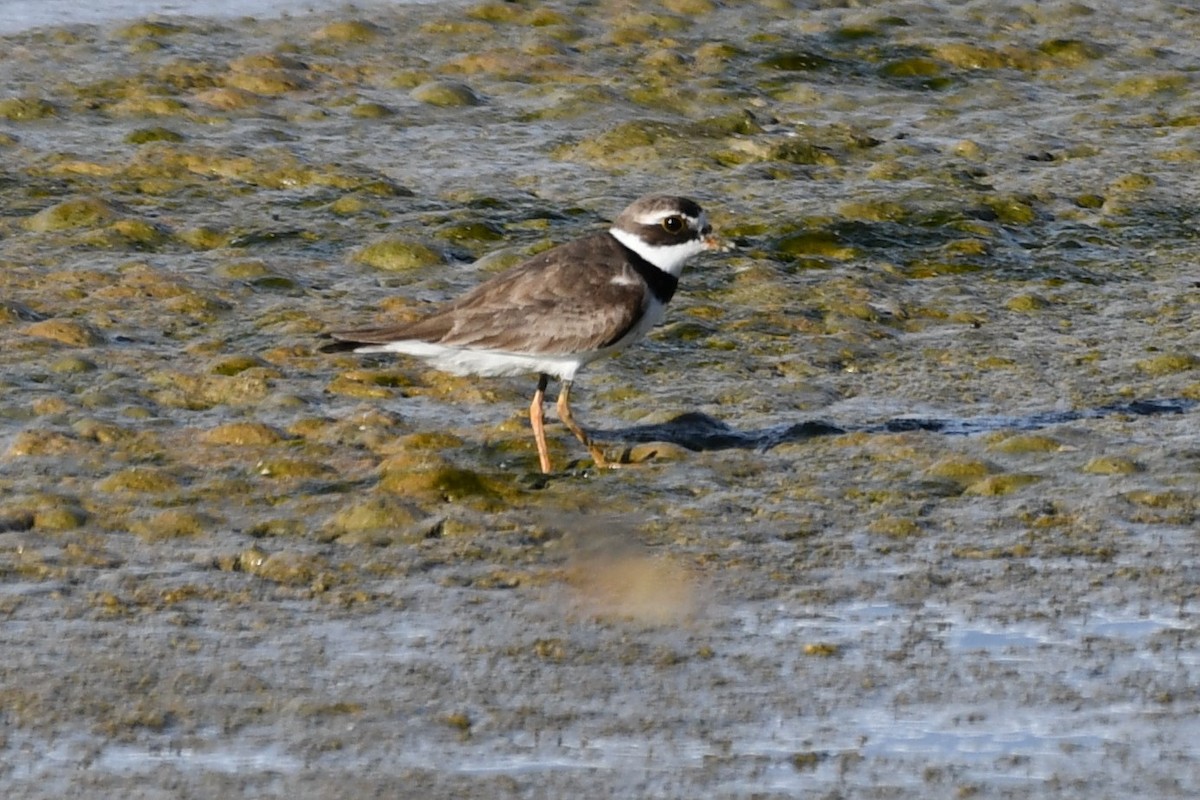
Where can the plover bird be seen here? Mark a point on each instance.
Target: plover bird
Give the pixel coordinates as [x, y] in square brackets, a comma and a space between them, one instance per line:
[559, 310]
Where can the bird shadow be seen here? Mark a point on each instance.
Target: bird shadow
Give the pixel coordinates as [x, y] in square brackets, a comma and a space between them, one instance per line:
[698, 431]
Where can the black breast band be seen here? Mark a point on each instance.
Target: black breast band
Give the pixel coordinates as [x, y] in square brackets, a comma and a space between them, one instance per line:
[662, 284]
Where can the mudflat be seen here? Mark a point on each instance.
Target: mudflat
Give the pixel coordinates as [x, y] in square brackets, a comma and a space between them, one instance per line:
[913, 473]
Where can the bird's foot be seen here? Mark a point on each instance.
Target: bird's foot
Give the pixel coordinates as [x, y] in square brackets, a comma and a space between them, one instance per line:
[624, 459]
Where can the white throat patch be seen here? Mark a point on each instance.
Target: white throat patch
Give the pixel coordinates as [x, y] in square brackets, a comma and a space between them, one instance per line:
[669, 258]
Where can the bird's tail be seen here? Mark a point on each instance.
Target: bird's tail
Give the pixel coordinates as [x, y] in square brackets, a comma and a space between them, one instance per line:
[338, 345]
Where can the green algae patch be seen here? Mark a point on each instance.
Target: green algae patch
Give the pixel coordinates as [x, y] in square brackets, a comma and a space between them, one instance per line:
[375, 513]
[286, 568]
[1027, 443]
[243, 434]
[1072, 52]
[500, 259]
[141, 480]
[1131, 183]
[1026, 303]
[446, 94]
[787, 150]
[279, 527]
[349, 386]
[823, 244]
[267, 82]
[294, 469]
[1148, 85]
[506, 13]
[921, 67]
[155, 134]
[150, 29]
[373, 429]
[894, 527]
[1011, 210]
[234, 365]
[381, 521]
[59, 516]
[42, 443]
[690, 8]
[1111, 465]
[429, 441]
[640, 141]
[739, 123]
[65, 331]
[470, 232]
[635, 133]
[1169, 499]
[370, 384]
[537, 62]
[73, 365]
[348, 205]
[257, 62]
[197, 392]
[461, 28]
[1162, 507]
[960, 469]
[108, 433]
[173, 523]
[49, 513]
[398, 255]
[140, 282]
[26, 109]
[227, 98]
[873, 210]
[148, 105]
[496, 12]
[713, 57]
[448, 484]
[269, 168]
[998, 485]
[137, 233]
[926, 268]
[372, 111]
[821, 649]
[352, 31]
[1168, 364]
[644, 28]
[78, 212]
[963, 55]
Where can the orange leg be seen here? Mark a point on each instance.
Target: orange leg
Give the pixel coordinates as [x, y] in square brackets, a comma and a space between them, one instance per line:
[564, 414]
[537, 422]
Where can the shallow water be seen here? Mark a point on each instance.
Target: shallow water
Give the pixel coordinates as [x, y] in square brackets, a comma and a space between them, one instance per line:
[918, 467]
[17, 16]
[1015, 706]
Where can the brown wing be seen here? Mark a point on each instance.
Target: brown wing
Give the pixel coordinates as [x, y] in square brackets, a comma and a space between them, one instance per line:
[561, 301]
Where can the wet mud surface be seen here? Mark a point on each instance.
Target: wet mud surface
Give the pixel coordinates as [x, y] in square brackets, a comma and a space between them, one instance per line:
[914, 480]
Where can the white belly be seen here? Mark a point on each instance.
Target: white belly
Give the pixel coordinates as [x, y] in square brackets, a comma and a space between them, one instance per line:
[496, 363]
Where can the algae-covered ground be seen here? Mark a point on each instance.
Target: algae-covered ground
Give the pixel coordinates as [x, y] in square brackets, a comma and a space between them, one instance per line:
[915, 483]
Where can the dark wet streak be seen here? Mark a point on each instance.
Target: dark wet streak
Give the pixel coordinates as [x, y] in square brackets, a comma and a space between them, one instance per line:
[698, 431]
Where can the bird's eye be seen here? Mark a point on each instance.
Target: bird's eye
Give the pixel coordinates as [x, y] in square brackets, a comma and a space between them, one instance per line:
[673, 224]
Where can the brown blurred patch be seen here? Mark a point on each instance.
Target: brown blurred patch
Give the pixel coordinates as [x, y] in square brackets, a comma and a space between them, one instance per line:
[615, 577]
